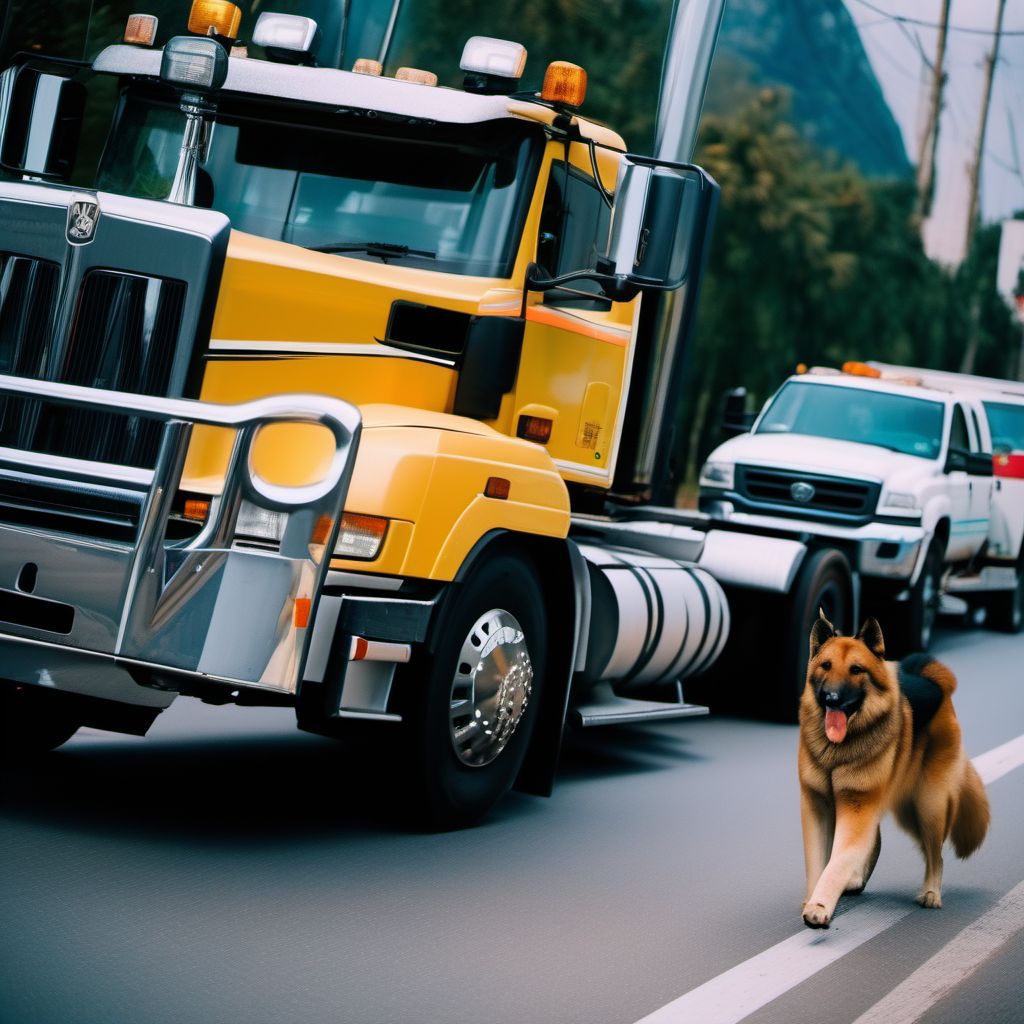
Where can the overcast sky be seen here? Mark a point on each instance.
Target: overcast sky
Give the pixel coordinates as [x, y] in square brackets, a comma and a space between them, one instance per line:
[895, 52]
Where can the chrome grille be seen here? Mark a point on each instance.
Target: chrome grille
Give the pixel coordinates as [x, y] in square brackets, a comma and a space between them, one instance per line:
[832, 497]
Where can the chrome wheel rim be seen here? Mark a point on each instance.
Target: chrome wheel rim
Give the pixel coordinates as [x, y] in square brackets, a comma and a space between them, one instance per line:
[930, 602]
[491, 688]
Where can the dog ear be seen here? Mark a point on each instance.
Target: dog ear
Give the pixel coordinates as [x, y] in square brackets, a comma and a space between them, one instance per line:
[871, 636]
[821, 631]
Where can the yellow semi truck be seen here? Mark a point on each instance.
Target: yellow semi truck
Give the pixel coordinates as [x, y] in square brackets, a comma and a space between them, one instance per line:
[347, 392]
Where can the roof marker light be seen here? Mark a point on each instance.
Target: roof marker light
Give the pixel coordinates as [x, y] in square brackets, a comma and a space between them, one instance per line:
[140, 30]
[416, 75]
[564, 83]
[486, 56]
[366, 66]
[217, 16]
[198, 64]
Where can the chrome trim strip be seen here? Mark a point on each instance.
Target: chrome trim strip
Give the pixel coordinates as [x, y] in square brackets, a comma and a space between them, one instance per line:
[321, 348]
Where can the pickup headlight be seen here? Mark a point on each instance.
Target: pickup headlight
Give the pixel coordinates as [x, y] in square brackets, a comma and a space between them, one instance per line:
[718, 474]
[900, 499]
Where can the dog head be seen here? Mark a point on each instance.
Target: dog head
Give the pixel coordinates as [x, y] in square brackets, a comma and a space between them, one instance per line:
[848, 682]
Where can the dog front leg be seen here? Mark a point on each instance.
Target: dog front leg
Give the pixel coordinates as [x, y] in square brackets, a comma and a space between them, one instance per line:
[857, 820]
[818, 819]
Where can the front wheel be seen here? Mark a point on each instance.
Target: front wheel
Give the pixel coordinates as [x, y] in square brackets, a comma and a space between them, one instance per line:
[913, 621]
[32, 721]
[473, 702]
[1005, 609]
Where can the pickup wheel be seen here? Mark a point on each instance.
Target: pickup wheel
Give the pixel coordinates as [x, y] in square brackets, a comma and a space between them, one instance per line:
[1005, 610]
[912, 622]
[825, 583]
[32, 721]
[473, 705]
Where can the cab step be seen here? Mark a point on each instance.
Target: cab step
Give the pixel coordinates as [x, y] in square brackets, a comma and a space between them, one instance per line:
[608, 708]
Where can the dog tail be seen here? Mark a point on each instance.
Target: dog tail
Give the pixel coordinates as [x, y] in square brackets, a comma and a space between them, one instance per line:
[934, 671]
[972, 814]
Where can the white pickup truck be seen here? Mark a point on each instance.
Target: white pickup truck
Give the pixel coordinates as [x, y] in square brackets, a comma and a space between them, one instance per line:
[896, 475]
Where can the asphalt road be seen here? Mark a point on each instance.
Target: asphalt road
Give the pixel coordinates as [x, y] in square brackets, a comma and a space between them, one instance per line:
[228, 868]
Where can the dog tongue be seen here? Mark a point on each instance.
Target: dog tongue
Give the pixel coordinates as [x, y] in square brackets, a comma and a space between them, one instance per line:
[835, 726]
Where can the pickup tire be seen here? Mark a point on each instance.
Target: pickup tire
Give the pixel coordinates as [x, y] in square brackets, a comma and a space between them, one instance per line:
[1005, 610]
[911, 623]
[32, 721]
[474, 701]
[825, 583]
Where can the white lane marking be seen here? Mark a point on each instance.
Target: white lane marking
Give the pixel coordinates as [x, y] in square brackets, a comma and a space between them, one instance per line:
[747, 987]
[953, 964]
[995, 763]
[754, 983]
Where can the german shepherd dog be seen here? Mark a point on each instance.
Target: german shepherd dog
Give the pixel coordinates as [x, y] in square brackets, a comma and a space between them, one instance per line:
[878, 736]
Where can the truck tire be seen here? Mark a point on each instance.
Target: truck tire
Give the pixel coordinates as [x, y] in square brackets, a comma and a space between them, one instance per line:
[911, 623]
[1005, 609]
[473, 703]
[32, 721]
[825, 583]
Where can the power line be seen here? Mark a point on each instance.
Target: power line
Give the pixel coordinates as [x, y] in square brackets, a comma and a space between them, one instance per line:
[902, 18]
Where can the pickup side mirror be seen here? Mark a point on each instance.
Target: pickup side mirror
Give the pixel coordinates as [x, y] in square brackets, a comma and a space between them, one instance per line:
[735, 417]
[959, 460]
[40, 120]
[662, 216]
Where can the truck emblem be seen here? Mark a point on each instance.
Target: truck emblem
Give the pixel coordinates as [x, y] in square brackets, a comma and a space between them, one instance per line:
[801, 491]
[83, 215]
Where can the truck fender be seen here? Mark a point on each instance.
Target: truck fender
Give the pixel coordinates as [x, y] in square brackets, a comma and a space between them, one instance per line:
[566, 582]
[939, 528]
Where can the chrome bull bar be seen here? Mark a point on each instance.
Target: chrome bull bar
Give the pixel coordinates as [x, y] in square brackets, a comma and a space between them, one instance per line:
[171, 613]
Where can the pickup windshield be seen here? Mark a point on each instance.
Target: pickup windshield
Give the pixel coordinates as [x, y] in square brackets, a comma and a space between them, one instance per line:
[1007, 424]
[897, 422]
[443, 197]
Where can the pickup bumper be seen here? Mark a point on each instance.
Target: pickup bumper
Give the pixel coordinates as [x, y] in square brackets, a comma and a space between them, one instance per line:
[892, 551]
[138, 617]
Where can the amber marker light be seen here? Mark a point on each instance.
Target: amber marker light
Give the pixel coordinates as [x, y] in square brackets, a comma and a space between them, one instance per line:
[564, 83]
[360, 536]
[416, 75]
[321, 530]
[497, 487]
[222, 17]
[196, 509]
[303, 606]
[365, 66]
[534, 428]
[140, 30]
[860, 369]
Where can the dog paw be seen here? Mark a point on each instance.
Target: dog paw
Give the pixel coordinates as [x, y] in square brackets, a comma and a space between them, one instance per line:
[930, 898]
[816, 916]
[856, 886]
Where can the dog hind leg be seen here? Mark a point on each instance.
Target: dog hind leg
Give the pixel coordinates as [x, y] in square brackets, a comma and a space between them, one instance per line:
[934, 812]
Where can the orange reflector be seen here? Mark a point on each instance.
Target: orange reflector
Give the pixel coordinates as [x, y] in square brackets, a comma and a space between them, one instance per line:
[564, 83]
[359, 648]
[535, 428]
[801, 368]
[303, 606]
[860, 369]
[140, 30]
[224, 18]
[321, 530]
[497, 487]
[365, 66]
[197, 509]
[416, 76]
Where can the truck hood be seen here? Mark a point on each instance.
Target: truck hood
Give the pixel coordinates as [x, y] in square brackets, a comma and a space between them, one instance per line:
[826, 456]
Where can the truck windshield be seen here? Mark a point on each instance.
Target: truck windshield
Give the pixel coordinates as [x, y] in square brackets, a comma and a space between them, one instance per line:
[1007, 425]
[450, 198]
[897, 422]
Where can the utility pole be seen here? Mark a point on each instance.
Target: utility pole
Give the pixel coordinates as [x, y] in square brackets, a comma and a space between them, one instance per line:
[930, 136]
[967, 365]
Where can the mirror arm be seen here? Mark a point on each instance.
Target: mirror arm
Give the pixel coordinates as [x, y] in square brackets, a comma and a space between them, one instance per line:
[616, 287]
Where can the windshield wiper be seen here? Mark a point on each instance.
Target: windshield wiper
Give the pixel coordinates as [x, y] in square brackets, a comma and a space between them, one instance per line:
[382, 250]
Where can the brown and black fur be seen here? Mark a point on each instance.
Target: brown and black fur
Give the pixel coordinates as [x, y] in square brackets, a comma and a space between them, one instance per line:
[886, 761]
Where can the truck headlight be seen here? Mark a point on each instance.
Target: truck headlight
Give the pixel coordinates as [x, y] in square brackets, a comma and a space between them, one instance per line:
[900, 499]
[260, 523]
[360, 536]
[718, 474]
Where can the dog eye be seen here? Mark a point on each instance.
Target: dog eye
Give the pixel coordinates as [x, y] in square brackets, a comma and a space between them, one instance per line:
[826, 665]
[855, 670]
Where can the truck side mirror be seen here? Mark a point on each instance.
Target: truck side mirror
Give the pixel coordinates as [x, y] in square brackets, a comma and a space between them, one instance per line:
[40, 121]
[735, 417]
[956, 460]
[662, 217]
[979, 464]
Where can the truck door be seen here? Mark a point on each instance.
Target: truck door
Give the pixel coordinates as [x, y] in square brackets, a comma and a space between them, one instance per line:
[967, 531]
[576, 342]
[980, 485]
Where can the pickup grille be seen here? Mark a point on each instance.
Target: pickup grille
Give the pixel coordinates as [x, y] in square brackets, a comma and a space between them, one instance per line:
[832, 497]
[122, 337]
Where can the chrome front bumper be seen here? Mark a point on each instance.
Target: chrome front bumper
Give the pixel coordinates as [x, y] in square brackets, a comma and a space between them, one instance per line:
[99, 616]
